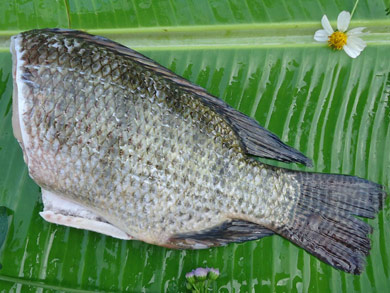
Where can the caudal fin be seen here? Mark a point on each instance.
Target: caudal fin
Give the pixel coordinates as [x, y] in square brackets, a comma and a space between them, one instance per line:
[324, 222]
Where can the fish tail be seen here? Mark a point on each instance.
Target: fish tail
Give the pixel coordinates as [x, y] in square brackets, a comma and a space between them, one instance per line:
[323, 222]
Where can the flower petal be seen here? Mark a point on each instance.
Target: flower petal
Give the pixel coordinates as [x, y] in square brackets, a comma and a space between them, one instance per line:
[343, 21]
[356, 43]
[326, 25]
[321, 36]
[351, 52]
[358, 31]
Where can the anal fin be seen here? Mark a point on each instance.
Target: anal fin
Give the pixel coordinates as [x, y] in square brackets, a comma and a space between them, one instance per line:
[58, 210]
[227, 232]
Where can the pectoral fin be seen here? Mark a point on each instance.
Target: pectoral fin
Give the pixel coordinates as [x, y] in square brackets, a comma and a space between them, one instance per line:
[58, 210]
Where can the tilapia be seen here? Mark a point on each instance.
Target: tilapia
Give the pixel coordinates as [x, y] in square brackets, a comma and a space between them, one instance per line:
[121, 145]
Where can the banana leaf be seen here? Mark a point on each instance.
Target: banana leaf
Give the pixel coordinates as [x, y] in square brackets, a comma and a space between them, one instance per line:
[260, 57]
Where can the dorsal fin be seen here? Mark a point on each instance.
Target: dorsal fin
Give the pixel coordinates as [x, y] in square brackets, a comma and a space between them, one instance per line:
[255, 139]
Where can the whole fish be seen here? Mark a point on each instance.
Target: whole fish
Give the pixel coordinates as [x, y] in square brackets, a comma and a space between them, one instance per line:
[123, 146]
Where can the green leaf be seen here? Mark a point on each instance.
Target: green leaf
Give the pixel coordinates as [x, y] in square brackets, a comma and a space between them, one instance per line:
[3, 226]
[261, 58]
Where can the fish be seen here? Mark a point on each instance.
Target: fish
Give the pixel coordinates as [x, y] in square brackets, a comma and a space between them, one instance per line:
[122, 146]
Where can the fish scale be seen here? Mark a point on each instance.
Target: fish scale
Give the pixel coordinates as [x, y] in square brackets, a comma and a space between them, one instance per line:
[131, 147]
[109, 113]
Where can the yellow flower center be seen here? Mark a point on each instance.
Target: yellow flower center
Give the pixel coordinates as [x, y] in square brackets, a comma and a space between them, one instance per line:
[337, 40]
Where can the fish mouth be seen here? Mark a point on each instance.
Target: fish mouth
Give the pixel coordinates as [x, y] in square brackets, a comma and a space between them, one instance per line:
[17, 95]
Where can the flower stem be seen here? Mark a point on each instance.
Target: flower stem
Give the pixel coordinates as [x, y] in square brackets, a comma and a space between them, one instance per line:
[354, 8]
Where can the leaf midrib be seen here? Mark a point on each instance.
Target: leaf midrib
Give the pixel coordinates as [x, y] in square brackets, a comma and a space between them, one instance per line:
[291, 34]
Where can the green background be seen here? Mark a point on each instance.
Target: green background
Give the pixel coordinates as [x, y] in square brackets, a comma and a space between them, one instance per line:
[261, 58]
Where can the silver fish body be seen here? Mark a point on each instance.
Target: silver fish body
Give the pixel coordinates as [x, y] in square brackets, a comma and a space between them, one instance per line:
[139, 149]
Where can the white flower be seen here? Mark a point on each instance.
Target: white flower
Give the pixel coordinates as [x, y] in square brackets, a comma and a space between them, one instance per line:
[349, 41]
